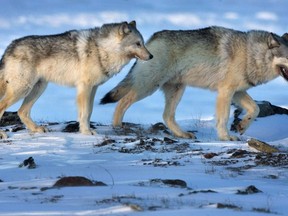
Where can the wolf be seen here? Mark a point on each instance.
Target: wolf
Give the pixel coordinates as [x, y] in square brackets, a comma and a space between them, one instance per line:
[216, 58]
[78, 58]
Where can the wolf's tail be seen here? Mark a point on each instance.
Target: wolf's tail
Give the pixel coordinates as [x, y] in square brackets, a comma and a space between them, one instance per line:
[120, 90]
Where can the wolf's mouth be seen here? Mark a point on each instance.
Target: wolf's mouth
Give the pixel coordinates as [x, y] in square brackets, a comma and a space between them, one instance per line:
[284, 71]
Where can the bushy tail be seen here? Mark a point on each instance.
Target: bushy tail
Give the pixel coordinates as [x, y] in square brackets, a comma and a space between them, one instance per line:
[120, 90]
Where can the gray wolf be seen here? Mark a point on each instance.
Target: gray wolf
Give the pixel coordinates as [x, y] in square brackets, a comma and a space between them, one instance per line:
[79, 58]
[216, 58]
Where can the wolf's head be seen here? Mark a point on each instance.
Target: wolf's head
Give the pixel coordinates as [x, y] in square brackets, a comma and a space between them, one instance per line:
[279, 47]
[126, 40]
[132, 42]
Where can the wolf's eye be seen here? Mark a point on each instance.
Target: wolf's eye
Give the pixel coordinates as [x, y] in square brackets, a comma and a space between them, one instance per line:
[138, 44]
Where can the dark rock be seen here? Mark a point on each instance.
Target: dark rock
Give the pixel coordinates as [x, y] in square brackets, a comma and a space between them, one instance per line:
[202, 191]
[170, 182]
[239, 153]
[29, 163]
[75, 181]
[249, 190]
[228, 206]
[175, 182]
[169, 141]
[266, 109]
[159, 126]
[210, 155]
[269, 159]
[129, 124]
[17, 127]
[10, 118]
[105, 142]
[73, 127]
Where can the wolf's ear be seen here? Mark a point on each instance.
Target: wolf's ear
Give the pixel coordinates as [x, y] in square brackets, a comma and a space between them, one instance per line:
[272, 41]
[133, 23]
[124, 29]
[285, 36]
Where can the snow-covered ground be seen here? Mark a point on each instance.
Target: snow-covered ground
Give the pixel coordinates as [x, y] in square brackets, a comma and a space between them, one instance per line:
[135, 164]
[134, 174]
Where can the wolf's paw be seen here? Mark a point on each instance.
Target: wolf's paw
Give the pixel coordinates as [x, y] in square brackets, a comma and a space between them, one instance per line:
[234, 138]
[3, 135]
[229, 138]
[88, 132]
[40, 129]
[186, 135]
[241, 127]
[117, 125]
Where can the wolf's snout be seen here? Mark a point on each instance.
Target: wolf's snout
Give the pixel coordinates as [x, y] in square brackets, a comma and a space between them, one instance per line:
[145, 57]
[283, 71]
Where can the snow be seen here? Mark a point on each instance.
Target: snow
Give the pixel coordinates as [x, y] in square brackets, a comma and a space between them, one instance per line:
[127, 168]
[128, 175]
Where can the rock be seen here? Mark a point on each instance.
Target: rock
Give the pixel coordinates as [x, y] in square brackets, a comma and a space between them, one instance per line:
[275, 160]
[239, 153]
[210, 155]
[266, 109]
[29, 163]
[169, 141]
[249, 190]
[76, 181]
[227, 206]
[175, 182]
[106, 142]
[159, 127]
[262, 146]
[73, 127]
[170, 182]
[10, 118]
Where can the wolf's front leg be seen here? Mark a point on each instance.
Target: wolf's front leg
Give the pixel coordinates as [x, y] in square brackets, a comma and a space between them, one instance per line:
[25, 109]
[85, 98]
[243, 100]
[173, 94]
[222, 113]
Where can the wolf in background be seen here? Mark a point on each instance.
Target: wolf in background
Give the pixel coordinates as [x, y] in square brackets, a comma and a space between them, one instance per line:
[83, 59]
[216, 58]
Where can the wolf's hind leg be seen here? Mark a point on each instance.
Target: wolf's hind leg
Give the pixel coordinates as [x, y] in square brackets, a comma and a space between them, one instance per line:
[3, 135]
[122, 106]
[252, 110]
[11, 96]
[173, 93]
[25, 109]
